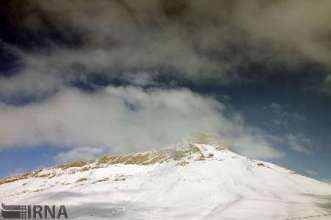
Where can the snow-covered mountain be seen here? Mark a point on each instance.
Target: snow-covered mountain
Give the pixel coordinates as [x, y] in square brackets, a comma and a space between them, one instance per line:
[193, 181]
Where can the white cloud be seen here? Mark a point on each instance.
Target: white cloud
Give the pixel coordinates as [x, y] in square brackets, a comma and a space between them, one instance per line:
[299, 143]
[84, 153]
[124, 119]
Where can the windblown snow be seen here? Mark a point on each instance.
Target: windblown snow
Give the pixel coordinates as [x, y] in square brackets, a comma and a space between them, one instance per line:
[194, 181]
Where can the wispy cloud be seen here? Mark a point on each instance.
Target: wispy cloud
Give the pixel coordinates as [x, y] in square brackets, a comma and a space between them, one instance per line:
[312, 172]
[299, 143]
[327, 181]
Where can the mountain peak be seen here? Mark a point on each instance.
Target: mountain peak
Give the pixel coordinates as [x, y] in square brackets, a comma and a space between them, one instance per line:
[207, 139]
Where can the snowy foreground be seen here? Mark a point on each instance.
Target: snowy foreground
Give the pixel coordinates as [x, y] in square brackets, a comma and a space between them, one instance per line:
[195, 182]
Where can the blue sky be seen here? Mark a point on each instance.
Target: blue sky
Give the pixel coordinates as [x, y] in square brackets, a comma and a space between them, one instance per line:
[80, 80]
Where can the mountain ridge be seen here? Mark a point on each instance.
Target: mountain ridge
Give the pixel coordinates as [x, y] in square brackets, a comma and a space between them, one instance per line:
[139, 158]
[187, 181]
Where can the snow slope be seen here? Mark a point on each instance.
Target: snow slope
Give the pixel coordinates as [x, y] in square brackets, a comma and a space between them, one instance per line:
[195, 181]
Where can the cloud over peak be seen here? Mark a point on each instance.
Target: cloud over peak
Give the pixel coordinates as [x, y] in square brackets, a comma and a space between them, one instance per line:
[123, 119]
